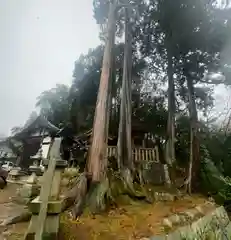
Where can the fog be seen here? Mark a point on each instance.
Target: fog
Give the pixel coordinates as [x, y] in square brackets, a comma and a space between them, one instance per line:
[40, 40]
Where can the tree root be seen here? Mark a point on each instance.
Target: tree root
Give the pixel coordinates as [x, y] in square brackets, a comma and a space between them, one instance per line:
[117, 187]
[80, 193]
[98, 197]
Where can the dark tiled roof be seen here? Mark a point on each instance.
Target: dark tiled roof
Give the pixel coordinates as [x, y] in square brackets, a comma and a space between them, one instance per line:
[39, 126]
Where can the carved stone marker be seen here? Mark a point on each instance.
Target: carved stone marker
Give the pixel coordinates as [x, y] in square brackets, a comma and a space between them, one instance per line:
[47, 207]
[31, 188]
[154, 173]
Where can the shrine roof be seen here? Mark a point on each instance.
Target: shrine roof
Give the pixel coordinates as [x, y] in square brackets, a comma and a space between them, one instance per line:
[36, 127]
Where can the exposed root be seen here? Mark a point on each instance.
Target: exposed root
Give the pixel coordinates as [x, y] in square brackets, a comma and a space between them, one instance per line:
[98, 197]
[81, 192]
[128, 180]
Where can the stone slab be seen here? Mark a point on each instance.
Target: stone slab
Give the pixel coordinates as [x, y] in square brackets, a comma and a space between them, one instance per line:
[171, 221]
[214, 223]
[192, 213]
[54, 207]
[59, 163]
[162, 196]
[221, 215]
[15, 172]
[153, 173]
[204, 208]
[186, 232]
[216, 217]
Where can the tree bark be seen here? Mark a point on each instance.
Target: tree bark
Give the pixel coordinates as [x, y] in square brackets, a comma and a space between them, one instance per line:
[170, 145]
[95, 188]
[97, 162]
[111, 83]
[125, 160]
[194, 163]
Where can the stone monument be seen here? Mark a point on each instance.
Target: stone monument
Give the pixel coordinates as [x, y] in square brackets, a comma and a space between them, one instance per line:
[46, 208]
[31, 187]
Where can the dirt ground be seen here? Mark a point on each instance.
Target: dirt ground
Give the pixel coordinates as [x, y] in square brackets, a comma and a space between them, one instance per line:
[7, 208]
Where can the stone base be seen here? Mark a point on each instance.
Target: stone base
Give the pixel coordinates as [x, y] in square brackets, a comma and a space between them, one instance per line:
[14, 174]
[59, 163]
[154, 173]
[29, 191]
[54, 207]
[35, 169]
[51, 228]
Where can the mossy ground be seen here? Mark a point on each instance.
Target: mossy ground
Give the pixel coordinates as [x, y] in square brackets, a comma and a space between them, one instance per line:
[128, 221]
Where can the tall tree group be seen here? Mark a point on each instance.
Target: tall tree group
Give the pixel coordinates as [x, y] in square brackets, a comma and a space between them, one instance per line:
[179, 44]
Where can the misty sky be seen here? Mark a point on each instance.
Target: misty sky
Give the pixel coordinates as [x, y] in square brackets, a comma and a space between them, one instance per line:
[40, 40]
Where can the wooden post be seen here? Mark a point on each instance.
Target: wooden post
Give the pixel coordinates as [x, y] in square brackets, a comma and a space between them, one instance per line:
[47, 207]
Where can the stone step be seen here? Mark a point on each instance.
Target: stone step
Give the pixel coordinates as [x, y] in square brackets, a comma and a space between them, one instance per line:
[188, 215]
[174, 220]
[193, 213]
[214, 225]
[163, 196]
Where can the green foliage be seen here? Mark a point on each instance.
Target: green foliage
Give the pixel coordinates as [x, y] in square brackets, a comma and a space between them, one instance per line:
[157, 29]
[209, 173]
[54, 104]
[214, 178]
[194, 34]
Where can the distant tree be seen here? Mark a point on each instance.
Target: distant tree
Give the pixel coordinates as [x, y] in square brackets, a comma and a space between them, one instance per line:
[54, 104]
[15, 130]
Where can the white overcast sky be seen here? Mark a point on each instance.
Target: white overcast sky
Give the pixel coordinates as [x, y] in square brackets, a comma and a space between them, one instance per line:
[39, 42]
